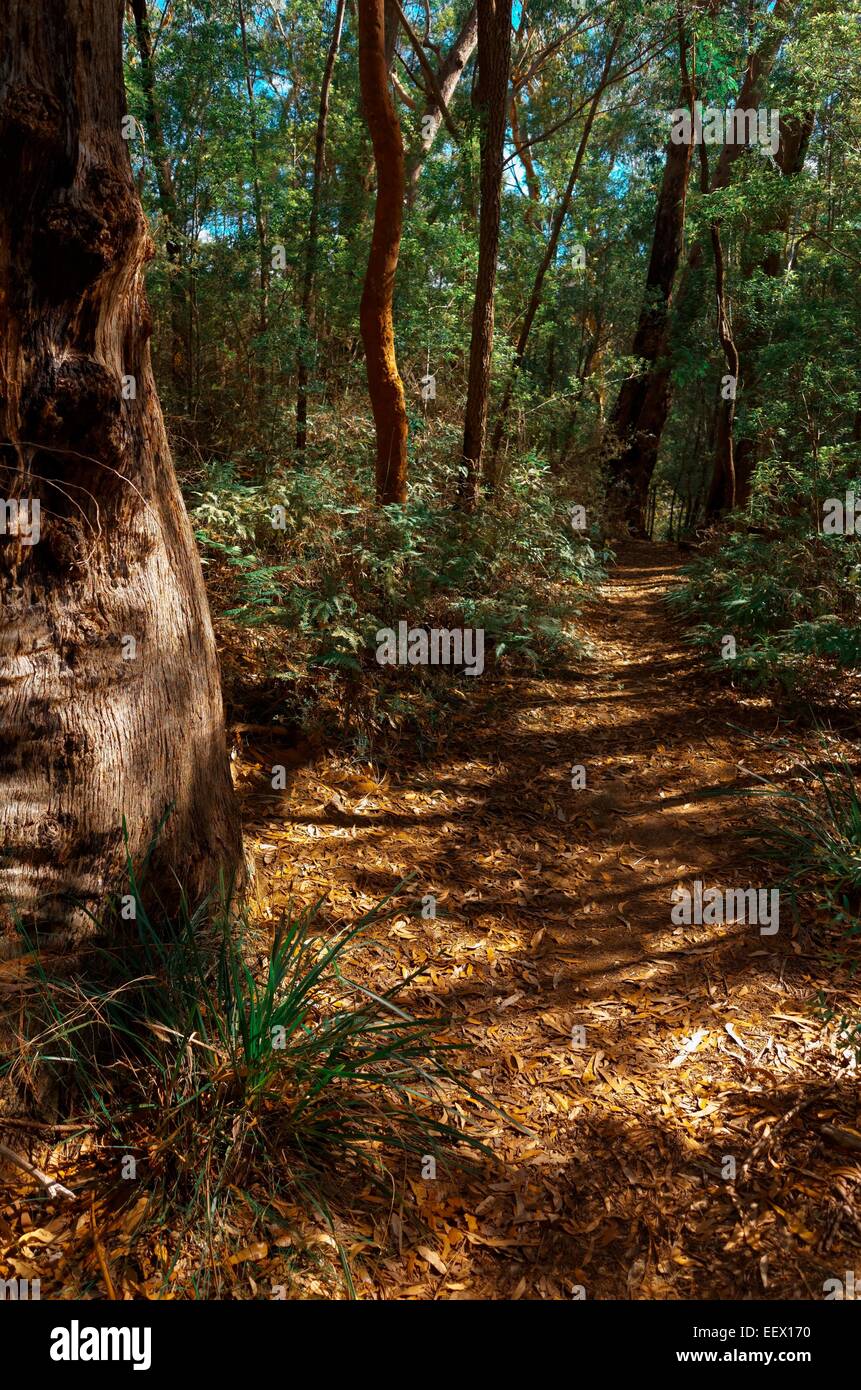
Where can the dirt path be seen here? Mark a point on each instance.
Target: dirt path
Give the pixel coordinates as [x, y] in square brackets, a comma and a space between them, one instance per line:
[553, 914]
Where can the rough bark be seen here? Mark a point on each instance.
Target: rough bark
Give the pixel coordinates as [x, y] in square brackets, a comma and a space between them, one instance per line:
[308, 315]
[377, 325]
[91, 738]
[494, 66]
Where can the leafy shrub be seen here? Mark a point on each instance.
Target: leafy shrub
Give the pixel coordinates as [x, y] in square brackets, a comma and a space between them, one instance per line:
[790, 597]
[341, 570]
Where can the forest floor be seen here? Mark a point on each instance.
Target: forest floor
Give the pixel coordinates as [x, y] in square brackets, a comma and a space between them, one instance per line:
[701, 1044]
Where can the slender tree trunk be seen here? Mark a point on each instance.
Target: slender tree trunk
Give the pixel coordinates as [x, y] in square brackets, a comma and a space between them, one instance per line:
[640, 417]
[109, 688]
[494, 66]
[547, 260]
[308, 316]
[721, 495]
[638, 421]
[524, 154]
[795, 136]
[449, 75]
[168, 207]
[378, 332]
[263, 257]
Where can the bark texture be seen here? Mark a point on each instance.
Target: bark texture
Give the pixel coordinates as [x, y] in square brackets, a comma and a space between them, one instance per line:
[494, 67]
[378, 333]
[89, 737]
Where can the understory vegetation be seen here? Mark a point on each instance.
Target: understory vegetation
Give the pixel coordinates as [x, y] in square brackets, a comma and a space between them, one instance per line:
[316, 572]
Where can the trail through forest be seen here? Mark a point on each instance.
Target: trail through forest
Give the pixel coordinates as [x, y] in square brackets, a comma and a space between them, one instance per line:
[702, 1051]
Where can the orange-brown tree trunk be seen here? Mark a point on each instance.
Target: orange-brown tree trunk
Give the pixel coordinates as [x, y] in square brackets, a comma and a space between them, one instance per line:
[110, 703]
[377, 324]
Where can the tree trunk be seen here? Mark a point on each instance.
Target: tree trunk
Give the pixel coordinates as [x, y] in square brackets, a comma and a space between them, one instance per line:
[494, 65]
[168, 207]
[640, 414]
[546, 262]
[378, 331]
[448, 77]
[721, 497]
[109, 688]
[795, 136]
[640, 418]
[308, 316]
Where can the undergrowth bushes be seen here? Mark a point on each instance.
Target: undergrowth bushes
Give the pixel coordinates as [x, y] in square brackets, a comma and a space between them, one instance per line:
[317, 571]
[787, 593]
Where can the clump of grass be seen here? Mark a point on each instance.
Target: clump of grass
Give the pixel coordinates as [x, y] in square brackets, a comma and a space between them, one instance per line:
[240, 1084]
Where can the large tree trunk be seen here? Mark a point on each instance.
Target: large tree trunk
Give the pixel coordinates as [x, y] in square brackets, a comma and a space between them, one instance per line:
[109, 690]
[378, 332]
[494, 66]
[308, 307]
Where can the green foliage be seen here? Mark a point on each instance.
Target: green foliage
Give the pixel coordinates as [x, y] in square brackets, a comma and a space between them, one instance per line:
[234, 1069]
[343, 570]
[789, 597]
[813, 834]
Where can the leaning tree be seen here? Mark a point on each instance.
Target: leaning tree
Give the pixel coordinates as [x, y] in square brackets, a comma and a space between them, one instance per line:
[110, 705]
